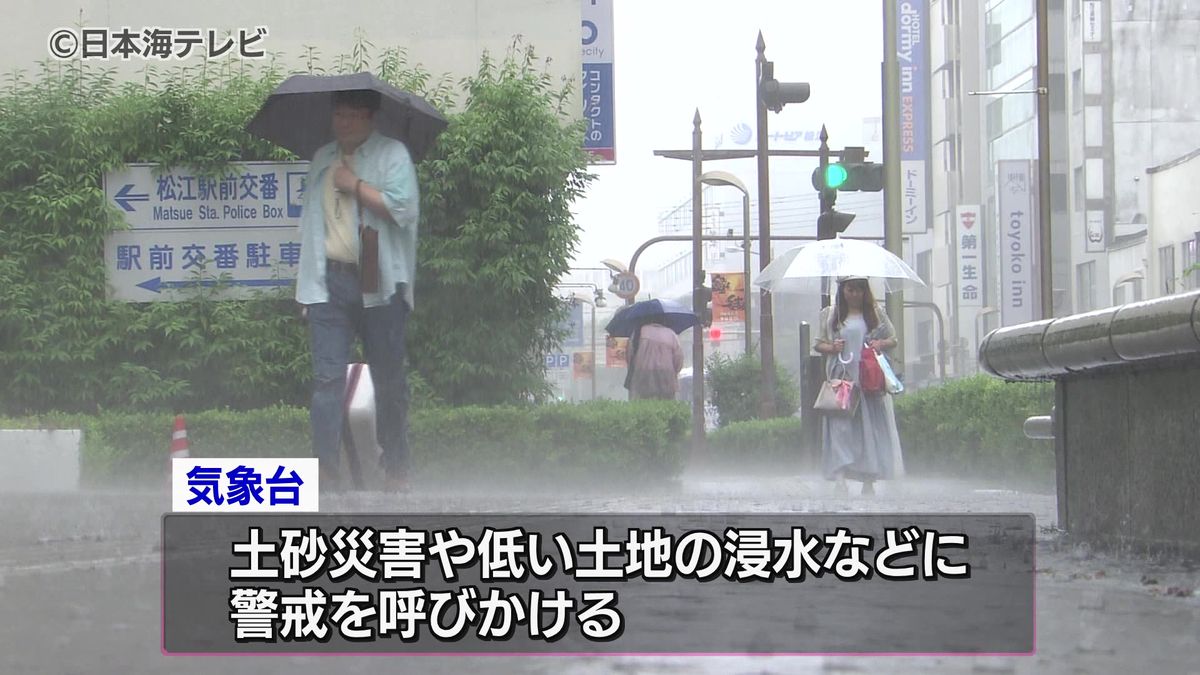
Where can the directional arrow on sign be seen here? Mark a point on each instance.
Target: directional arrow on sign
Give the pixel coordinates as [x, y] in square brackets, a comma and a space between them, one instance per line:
[123, 198]
[156, 284]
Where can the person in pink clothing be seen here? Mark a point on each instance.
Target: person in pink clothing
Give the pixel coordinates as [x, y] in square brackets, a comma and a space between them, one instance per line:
[654, 363]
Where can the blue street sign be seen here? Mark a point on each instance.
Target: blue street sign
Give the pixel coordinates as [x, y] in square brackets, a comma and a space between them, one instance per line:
[241, 223]
[143, 265]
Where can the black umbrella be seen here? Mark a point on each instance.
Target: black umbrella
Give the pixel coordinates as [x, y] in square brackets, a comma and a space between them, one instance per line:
[669, 313]
[298, 115]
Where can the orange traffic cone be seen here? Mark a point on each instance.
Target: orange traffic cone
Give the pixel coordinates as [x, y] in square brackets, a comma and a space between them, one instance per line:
[179, 440]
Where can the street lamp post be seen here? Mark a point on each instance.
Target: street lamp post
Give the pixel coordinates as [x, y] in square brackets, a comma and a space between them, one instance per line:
[983, 312]
[590, 301]
[726, 178]
[597, 300]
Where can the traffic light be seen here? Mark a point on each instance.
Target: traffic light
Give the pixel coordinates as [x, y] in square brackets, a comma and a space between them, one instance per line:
[828, 180]
[776, 94]
[832, 223]
[714, 334]
[849, 177]
[835, 176]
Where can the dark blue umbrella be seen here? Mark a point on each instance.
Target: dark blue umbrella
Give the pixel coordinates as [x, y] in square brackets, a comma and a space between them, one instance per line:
[298, 115]
[669, 313]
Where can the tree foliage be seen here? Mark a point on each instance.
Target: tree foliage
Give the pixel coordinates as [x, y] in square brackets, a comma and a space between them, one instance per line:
[499, 235]
[496, 235]
[737, 389]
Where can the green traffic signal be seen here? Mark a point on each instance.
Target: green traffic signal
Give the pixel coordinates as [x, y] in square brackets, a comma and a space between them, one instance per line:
[835, 176]
[849, 177]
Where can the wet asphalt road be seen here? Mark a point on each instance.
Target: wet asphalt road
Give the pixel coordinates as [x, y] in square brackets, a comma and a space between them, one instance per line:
[80, 574]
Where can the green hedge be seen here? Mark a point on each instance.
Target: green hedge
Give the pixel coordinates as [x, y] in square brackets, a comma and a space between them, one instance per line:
[970, 427]
[759, 443]
[974, 427]
[602, 440]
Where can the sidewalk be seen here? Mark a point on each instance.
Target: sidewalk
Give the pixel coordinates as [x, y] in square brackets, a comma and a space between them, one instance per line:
[79, 587]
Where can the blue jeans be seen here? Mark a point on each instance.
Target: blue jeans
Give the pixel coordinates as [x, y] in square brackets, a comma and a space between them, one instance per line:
[332, 327]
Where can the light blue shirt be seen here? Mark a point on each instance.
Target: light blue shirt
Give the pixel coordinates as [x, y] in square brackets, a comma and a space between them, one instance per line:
[383, 163]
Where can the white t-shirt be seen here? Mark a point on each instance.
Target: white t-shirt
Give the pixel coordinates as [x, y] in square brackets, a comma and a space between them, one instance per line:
[341, 228]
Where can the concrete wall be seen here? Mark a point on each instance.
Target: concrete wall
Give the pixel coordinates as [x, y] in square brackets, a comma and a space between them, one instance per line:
[444, 36]
[40, 461]
[1125, 264]
[1174, 215]
[1131, 454]
[1126, 423]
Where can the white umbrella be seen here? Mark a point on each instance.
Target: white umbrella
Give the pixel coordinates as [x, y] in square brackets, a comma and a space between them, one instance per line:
[833, 258]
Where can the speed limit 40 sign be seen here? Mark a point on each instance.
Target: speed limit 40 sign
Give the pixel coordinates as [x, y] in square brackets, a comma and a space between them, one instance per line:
[626, 285]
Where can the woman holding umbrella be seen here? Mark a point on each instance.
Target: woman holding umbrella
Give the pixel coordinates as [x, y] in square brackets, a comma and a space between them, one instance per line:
[865, 446]
[655, 359]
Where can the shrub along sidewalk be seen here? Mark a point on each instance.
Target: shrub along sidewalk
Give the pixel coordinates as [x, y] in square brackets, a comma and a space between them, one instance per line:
[970, 428]
[562, 444]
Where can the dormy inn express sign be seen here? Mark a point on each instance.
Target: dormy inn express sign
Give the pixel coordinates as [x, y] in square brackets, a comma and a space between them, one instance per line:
[239, 229]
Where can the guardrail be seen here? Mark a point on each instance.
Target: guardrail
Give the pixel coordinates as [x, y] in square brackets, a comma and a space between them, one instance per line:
[1052, 348]
[1126, 382]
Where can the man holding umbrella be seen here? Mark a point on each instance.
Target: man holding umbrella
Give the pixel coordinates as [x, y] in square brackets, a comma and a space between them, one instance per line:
[357, 264]
[358, 250]
[361, 179]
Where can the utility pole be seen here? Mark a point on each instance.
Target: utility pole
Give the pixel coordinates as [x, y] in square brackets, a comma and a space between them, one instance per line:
[1045, 255]
[698, 303]
[894, 214]
[826, 205]
[766, 321]
[772, 95]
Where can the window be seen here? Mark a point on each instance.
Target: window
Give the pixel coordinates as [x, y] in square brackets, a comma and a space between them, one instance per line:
[948, 77]
[949, 154]
[1077, 90]
[925, 266]
[995, 118]
[1085, 277]
[1130, 291]
[924, 269]
[994, 55]
[1191, 276]
[1058, 92]
[948, 12]
[1012, 55]
[924, 338]
[1080, 190]
[1166, 269]
[1009, 15]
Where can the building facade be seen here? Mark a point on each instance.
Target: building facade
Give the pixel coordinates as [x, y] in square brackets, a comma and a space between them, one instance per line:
[1123, 132]
[444, 37]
